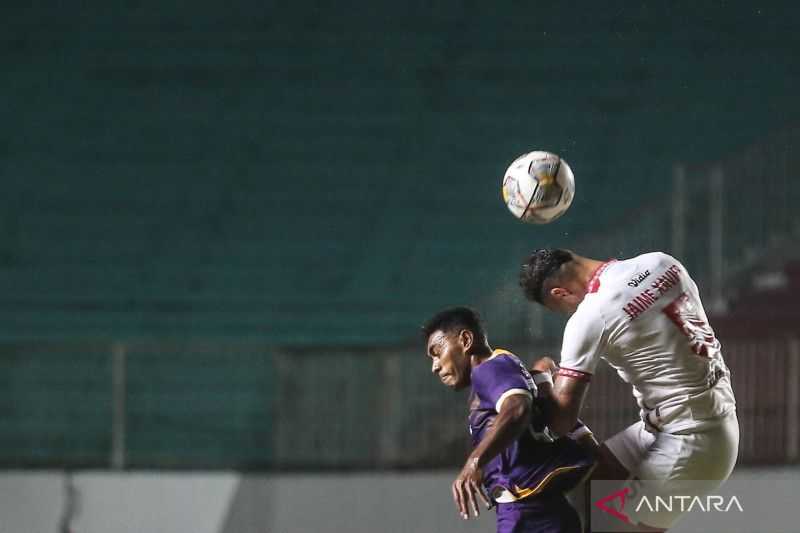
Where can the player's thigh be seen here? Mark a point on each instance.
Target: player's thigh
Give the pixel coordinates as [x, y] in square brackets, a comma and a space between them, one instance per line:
[686, 465]
[716, 451]
[621, 455]
[707, 455]
[654, 479]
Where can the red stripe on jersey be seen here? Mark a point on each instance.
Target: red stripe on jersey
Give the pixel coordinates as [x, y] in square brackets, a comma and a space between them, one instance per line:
[594, 281]
[574, 374]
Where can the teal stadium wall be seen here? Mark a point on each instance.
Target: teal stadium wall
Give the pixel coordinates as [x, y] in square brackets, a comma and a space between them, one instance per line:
[317, 176]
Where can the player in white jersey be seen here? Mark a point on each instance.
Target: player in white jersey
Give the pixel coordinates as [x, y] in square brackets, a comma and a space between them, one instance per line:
[644, 317]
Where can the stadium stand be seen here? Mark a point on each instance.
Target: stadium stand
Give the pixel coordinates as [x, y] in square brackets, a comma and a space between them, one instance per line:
[316, 177]
[285, 180]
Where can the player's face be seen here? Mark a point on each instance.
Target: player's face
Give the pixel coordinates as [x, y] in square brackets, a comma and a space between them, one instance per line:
[450, 361]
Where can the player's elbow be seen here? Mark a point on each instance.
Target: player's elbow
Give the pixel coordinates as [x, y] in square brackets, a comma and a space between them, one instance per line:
[522, 412]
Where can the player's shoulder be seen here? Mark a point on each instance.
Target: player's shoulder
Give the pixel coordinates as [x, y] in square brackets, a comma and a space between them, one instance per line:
[502, 358]
[627, 274]
[659, 257]
[501, 361]
[649, 259]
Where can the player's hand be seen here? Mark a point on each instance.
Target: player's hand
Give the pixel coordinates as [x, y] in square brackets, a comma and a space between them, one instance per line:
[545, 364]
[468, 487]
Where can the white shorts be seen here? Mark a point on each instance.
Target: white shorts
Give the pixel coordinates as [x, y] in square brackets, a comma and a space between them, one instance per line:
[676, 464]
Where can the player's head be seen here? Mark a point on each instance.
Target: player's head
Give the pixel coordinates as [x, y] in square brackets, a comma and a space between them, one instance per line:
[452, 337]
[553, 278]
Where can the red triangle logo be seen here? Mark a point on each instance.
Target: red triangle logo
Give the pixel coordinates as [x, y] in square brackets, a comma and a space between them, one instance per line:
[601, 504]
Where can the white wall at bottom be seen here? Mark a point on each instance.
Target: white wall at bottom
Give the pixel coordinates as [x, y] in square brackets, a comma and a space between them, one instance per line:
[231, 503]
[158, 502]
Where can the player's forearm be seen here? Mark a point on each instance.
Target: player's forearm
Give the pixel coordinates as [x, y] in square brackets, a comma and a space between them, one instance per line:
[508, 426]
[559, 411]
[562, 400]
[563, 412]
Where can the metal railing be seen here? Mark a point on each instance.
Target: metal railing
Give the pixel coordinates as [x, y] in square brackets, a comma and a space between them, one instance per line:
[236, 406]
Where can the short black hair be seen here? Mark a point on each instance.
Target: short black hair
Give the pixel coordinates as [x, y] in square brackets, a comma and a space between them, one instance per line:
[455, 318]
[541, 265]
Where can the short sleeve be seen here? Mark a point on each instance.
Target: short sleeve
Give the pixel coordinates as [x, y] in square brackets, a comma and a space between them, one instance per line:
[584, 343]
[501, 377]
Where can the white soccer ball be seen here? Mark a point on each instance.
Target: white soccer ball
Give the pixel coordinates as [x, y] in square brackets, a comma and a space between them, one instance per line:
[538, 187]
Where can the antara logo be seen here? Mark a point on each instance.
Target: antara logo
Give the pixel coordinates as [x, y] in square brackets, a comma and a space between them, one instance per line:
[681, 503]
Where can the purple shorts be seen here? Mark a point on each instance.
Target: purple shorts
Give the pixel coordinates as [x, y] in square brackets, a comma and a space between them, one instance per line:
[544, 513]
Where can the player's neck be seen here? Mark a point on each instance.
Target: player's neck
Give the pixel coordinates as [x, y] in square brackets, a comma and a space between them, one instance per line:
[480, 356]
[586, 269]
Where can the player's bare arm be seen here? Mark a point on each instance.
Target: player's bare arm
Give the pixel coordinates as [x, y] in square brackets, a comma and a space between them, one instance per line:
[511, 421]
[545, 366]
[564, 398]
[567, 396]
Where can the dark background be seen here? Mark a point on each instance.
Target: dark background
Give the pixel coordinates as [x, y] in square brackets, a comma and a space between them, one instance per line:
[262, 200]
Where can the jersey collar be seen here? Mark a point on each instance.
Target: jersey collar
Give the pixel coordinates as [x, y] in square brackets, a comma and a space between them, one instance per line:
[594, 281]
[498, 351]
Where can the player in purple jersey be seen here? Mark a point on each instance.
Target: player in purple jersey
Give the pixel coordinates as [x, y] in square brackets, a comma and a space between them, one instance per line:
[516, 463]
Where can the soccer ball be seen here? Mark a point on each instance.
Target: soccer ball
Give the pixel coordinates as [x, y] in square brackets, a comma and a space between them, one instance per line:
[538, 187]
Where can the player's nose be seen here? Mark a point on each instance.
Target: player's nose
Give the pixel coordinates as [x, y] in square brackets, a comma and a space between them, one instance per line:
[435, 368]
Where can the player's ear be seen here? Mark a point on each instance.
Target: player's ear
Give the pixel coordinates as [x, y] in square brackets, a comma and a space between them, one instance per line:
[467, 339]
[559, 292]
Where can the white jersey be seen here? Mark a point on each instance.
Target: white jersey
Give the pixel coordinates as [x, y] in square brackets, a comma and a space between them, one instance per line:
[644, 317]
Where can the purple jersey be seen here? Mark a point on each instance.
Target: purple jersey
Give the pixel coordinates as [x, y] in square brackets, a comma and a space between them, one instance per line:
[536, 461]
